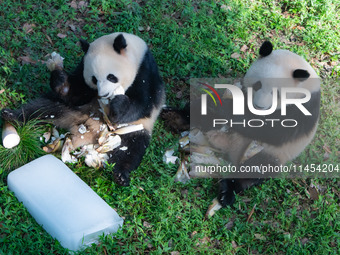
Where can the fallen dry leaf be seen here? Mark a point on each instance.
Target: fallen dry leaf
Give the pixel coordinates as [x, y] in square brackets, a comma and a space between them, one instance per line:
[82, 4]
[193, 234]
[49, 39]
[244, 48]
[326, 148]
[146, 224]
[251, 213]
[203, 240]
[229, 225]
[28, 28]
[225, 7]
[298, 27]
[74, 4]
[26, 60]
[214, 206]
[175, 253]
[314, 195]
[235, 55]
[60, 35]
[72, 27]
[259, 237]
[304, 240]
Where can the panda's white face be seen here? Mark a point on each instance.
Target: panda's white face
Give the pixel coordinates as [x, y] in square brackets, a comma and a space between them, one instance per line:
[112, 70]
[276, 71]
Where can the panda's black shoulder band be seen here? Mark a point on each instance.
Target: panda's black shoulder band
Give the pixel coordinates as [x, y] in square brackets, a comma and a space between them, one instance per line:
[266, 48]
[301, 74]
[119, 43]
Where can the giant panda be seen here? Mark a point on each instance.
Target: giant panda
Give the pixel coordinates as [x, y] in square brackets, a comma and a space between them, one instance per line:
[118, 68]
[274, 68]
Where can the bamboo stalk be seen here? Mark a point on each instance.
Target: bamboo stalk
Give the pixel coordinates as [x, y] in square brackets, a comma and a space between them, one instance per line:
[10, 137]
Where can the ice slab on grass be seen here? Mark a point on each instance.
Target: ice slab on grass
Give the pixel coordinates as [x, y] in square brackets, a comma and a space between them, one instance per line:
[66, 207]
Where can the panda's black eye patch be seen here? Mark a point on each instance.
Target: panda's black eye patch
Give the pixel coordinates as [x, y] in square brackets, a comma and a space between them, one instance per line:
[301, 74]
[257, 86]
[112, 78]
[94, 80]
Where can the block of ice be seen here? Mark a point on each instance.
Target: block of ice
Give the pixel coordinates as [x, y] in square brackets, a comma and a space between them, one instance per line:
[66, 207]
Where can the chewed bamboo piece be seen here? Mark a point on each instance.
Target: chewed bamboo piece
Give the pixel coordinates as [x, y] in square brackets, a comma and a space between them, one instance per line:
[10, 137]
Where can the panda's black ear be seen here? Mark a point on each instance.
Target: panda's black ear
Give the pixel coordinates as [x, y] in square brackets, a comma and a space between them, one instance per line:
[300, 74]
[266, 48]
[119, 44]
[84, 45]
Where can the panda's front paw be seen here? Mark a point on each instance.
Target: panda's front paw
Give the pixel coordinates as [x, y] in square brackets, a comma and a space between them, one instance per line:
[118, 108]
[58, 82]
[122, 178]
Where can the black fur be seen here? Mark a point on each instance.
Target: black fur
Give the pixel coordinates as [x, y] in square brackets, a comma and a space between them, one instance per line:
[228, 188]
[119, 43]
[177, 119]
[301, 74]
[266, 49]
[84, 45]
[40, 108]
[128, 160]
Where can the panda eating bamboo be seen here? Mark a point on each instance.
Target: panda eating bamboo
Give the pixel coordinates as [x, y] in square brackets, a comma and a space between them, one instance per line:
[120, 71]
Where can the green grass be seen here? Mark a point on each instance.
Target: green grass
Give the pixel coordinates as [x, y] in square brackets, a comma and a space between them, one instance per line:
[28, 149]
[189, 39]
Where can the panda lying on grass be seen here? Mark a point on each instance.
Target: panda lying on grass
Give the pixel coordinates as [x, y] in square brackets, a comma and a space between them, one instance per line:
[118, 69]
[280, 69]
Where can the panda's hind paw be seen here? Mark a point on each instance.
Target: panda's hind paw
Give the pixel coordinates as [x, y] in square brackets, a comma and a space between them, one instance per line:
[227, 198]
[121, 178]
[8, 115]
[226, 192]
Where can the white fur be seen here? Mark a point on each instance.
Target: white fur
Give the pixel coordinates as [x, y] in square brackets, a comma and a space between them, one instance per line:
[101, 60]
[276, 70]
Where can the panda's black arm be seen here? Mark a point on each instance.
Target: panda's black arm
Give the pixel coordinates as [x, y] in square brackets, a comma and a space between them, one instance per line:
[278, 134]
[125, 110]
[71, 88]
[142, 97]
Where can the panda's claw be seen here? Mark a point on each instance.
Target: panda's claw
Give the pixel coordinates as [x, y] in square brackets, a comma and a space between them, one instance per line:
[121, 178]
